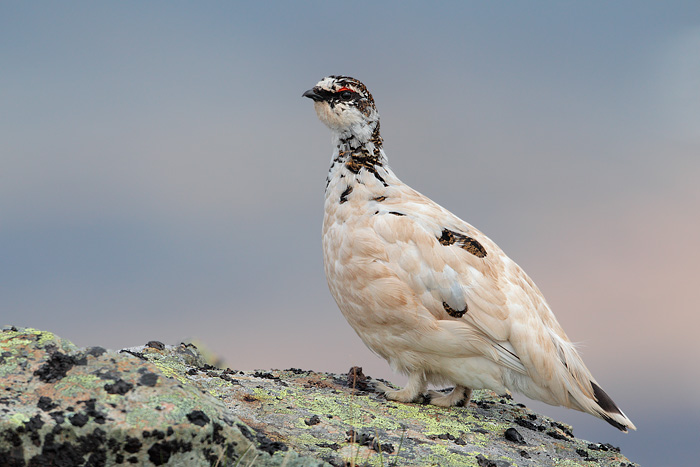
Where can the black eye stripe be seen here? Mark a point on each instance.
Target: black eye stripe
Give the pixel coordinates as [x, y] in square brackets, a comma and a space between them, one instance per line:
[344, 96]
[325, 94]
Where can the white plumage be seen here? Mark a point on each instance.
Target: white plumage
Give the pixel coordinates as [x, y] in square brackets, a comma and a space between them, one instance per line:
[427, 291]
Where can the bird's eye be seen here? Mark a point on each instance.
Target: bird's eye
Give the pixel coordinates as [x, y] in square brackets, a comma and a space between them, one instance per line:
[345, 93]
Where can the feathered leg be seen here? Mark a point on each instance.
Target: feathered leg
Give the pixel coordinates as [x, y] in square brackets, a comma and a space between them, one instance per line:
[414, 388]
[457, 395]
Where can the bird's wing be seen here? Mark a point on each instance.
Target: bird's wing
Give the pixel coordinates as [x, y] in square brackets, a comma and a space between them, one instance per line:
[475, 291]
[468, 284]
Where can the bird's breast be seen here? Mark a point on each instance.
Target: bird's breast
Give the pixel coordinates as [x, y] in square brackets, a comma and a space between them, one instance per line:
[355, 256]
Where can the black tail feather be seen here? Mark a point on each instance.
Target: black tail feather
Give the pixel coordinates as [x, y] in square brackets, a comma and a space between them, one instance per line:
[617, 425]
[607, 404]
[604, 401]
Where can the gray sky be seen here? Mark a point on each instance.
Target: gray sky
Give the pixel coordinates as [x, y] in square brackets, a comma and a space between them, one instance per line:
[162, 178]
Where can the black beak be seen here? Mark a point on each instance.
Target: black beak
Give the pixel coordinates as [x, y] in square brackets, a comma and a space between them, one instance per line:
[311, 94]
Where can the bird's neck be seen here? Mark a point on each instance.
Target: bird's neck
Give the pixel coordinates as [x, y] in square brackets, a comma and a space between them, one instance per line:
[365, 137]
[352, 155]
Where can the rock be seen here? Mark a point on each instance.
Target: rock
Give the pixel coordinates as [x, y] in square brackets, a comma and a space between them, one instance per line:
[164, 405]
[63, 406]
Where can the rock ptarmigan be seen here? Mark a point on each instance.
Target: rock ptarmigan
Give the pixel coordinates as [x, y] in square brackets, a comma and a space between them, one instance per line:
[427, 291]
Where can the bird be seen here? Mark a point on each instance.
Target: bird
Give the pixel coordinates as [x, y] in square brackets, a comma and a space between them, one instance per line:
[428, 292]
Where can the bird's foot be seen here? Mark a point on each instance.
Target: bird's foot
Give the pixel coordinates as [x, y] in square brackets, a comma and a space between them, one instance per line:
[413, 392]
[459, 396]
[400, 395]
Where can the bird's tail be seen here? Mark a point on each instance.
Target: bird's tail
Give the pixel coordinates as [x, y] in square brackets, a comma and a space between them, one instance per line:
[584, 393]
[606, 409]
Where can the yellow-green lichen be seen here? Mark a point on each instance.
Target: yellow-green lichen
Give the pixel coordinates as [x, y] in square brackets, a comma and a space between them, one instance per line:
[443, 456]
[14, 342]
[31, 337]
[44, 337]
[18, 419]
[77, 384]
[165, 409]
[308, 439]
[358, 413]
[572, 463]
[261, 394]
[9, 366]
[169, 371]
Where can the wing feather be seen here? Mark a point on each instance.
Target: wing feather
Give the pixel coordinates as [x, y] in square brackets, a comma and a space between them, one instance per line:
[494, 290]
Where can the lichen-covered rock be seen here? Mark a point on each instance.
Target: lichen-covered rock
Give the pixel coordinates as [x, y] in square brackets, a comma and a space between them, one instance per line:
[164, 405]
[63, 406]
[342, 419]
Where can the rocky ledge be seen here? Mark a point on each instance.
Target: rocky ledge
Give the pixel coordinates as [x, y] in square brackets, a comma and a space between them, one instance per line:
[65, 406]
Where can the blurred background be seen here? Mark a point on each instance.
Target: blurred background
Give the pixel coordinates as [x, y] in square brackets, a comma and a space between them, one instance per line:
[161, 176]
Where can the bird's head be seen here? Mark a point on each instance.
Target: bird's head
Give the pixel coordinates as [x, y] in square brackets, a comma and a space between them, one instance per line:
[346, 107]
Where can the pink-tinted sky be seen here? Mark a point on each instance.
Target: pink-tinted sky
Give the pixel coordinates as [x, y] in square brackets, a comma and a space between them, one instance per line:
[162, 178]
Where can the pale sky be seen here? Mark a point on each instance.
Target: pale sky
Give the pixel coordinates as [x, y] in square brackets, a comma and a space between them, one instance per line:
[162, 177]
